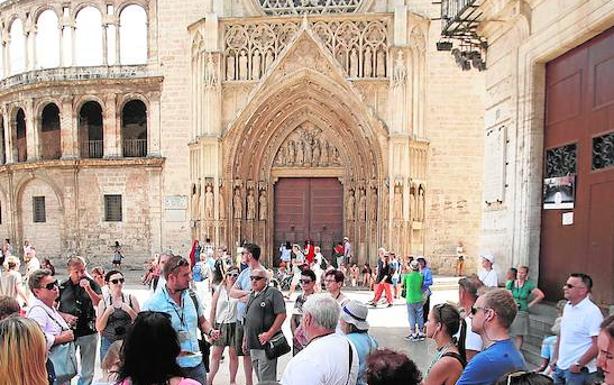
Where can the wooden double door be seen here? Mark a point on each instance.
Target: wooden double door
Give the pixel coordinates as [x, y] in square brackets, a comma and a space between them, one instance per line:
[308, 208]
[579, 141]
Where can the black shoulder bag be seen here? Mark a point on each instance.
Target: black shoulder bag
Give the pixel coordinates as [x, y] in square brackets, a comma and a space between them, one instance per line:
[203, 344]
[277, 345]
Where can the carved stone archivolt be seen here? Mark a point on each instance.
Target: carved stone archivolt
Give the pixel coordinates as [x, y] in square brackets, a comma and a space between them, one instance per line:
[307, 147]
[360, 46]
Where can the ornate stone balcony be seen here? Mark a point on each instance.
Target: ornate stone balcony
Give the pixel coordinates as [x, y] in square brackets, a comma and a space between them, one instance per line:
[63, 74]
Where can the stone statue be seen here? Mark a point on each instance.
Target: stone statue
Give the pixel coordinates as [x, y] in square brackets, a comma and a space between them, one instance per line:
[412, 204]
[222, 204]
[268, 60]
[208, 202]
[243, 71]
[256, 65]
[335, 161]
[400, 72]
[230, 67]
[316, 152]
[290, 153]
[300, 154]
[195, 201]
[280, 159]
[262, 203]
[210, 73]
[308, 151]
[373, 205]
[251, 204]
[380, 64]
[325, 154]
[353, 64]
[351, 206]
[362, 206]
[368, 63]
[237, 203]
[420, 213]
[398, 203]
[386, 205]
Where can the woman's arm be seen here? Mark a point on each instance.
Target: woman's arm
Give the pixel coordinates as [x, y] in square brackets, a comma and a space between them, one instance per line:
[104, 312]
[538, 296]
[216, 297]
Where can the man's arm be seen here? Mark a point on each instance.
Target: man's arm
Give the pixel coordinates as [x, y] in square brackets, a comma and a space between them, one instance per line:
[587, 357]
[266, 336]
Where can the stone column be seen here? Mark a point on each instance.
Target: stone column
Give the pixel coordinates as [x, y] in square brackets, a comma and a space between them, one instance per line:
[31, 132]
[8, 142]
[118, 59]
[6, 40]
[69, 134]
[30, 46]
[111, 128]
[153, 125]
[68, 45]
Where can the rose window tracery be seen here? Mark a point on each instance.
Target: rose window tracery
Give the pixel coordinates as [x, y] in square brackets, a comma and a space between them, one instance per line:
[301, 7]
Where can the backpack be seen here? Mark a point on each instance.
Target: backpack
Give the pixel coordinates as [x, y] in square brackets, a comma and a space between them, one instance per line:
[197, 273]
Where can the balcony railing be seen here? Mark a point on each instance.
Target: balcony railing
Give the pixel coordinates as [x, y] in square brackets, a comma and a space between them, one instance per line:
[76, 73]
[134, 148]
[92, 149]
[451, 10]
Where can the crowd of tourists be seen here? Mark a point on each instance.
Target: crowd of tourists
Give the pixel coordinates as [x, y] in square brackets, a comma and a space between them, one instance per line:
[52, 331]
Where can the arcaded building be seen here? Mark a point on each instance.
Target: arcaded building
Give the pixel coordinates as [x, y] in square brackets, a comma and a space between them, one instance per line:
[157, 122]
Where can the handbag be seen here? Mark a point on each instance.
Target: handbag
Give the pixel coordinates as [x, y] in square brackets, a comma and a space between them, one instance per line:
[277, 346]
[63, 357]
[203, 344]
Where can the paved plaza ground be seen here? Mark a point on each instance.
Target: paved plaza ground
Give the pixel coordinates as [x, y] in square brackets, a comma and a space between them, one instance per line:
[388, 326]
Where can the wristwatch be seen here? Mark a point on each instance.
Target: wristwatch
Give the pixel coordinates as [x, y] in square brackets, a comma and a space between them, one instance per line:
[577, 363]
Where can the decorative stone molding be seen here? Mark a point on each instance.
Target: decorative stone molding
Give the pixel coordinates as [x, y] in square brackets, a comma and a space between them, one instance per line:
[360, 46]
[301, 7]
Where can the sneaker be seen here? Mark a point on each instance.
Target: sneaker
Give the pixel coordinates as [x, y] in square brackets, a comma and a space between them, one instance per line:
[389, 305]
[421, 337]
[410, 337]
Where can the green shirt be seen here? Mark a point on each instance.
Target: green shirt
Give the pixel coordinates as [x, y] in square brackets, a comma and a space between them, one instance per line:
[521, 294]
[413, 287]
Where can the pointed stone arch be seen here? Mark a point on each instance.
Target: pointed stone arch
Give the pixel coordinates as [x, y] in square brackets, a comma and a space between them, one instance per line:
[306, 86]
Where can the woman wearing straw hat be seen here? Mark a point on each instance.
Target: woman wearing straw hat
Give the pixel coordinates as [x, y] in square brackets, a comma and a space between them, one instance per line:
[353, 322]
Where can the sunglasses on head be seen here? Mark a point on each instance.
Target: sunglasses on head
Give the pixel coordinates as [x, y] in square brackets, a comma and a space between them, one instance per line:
[51, 285]
[255, 278]
[180, 262]
[117, 280]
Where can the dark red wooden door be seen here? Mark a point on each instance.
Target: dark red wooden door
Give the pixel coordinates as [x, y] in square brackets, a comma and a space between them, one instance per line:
[309, 208]
[579, 139]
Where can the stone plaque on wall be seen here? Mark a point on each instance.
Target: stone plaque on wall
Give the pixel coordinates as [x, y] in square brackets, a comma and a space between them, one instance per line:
[494, 165]
[175, 208]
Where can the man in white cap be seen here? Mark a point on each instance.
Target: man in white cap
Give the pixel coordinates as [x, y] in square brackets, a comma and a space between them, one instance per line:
[353, 323]
[488, 275]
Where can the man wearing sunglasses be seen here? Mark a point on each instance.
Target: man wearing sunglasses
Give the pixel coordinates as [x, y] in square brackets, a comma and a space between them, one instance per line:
[576, 348]
[187, 315]
[265, 313]
[492, 315]
[251, 254]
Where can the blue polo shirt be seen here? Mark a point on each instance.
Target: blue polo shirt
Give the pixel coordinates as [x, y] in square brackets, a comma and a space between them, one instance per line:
[243, 283]
[491, 363]
[185, 322]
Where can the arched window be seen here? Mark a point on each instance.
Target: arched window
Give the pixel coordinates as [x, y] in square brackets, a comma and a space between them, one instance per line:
[50, 136]
[47, 40]
[2, 143]
[17, 49]
[90, 130]
[88, 39]
[134, 129]
[133, 35]
[21, 143]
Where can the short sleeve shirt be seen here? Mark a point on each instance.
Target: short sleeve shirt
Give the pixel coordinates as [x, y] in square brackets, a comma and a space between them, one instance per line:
[580, 323]
[184, 320]
[261, 312]
[521, 294]
[486, 367]
[75, 300]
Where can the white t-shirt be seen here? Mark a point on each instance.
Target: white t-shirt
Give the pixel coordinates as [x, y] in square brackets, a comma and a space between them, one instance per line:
[579, 324]
[489, 278]
[473, 341]
[325, 361]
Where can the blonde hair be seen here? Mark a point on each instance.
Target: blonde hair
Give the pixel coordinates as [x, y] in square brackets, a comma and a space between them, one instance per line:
[21, 337]
[12, 263]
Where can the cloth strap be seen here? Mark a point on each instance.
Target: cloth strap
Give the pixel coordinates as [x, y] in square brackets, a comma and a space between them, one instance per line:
[350, 360]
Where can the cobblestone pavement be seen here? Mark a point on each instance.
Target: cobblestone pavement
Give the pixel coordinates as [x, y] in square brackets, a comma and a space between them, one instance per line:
[388, 326]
